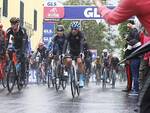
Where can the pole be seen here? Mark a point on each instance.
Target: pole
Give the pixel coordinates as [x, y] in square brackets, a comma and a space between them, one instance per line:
[80, 20]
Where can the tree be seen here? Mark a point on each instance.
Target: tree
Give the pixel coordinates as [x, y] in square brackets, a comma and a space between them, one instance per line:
[120, 41]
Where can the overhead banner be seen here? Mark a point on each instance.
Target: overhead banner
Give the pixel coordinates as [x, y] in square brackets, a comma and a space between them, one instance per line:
[55, 10]
[82, 12]
[48, 31]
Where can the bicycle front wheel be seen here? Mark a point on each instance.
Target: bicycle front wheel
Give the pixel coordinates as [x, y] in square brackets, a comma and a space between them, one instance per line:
[113, 78]
[72, 82]
[104, 78]
[19, 81]
[4, 82]
[11, 77]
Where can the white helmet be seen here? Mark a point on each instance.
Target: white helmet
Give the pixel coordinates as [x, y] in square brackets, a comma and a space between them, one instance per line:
[105, 50]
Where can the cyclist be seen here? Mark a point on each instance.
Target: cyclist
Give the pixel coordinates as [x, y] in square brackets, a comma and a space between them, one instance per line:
[114, 62]
[105, 62]
[97, 68]
[42, 50]
[75, 40]
[98, 63]
[40, 56]
[16, 39]
[88, 58]
[57, 45]
[2, 50]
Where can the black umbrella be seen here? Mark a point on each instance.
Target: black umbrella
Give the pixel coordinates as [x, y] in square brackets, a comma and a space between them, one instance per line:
[141, 50]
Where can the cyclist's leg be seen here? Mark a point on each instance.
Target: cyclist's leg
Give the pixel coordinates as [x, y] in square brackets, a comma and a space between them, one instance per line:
[81, 71]
[21, 61]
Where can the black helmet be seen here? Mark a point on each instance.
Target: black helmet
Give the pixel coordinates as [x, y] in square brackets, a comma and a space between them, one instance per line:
[14, 20]
[60, 28]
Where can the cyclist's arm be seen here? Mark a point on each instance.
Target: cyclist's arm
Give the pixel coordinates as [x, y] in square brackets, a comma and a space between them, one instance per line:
[36, 53]
[82, 43]
[7, 37]
[65, 46]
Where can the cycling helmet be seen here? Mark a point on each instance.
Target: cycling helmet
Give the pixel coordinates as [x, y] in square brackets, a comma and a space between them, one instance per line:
[105, 50]
[1, 25]
[98, 57]
[75, 25]
[14, 20]
[60, 28]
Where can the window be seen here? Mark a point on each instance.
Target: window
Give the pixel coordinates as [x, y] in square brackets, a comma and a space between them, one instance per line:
[5, 8]
[35, 20]
[21, 13]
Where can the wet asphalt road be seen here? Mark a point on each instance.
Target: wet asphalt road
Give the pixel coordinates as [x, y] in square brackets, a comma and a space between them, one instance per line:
[40, 99]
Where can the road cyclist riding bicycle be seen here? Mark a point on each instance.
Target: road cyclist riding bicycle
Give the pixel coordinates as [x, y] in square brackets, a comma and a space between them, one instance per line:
[113, 69]
[16, 51]
[2, 55]
[74, 60]
[87, 62]
[105, 67]
[57, 51]
[41, 54]
[97, 68]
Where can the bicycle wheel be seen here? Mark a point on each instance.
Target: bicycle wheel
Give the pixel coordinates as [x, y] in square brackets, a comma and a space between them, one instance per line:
[77, 84]
[72, 82]
[4, 82]
[11, 77]
[113, 78]
[26, 78]
[104, 78]
[38, 77]
[57, 80]
[19, 81]
[87, 77]
[49, 76]
[64, 84]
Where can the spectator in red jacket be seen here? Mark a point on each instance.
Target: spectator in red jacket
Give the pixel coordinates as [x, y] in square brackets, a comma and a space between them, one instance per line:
[125, 10]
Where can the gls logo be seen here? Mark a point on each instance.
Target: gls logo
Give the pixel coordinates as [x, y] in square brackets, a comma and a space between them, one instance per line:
[48, 31]
[91, 13]
[51, 3]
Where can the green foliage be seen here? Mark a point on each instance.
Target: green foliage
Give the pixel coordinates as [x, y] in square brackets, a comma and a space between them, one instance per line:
[123, 29]
[120, 42]
[94, 34]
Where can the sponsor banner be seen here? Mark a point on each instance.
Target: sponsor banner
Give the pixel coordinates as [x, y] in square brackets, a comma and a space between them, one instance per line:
[53, 9]
[53, 12]
[48, 31]
[82, 12]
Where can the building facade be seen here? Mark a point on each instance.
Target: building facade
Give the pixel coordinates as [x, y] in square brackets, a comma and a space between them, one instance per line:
[30, 13]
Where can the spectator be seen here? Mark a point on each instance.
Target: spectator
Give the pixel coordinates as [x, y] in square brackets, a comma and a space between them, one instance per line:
[134, 42]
